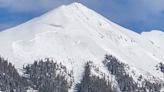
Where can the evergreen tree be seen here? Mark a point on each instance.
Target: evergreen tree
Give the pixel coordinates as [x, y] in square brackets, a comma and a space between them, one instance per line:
[10, 80]
[93, 83]
[126, 82]
[47, 76]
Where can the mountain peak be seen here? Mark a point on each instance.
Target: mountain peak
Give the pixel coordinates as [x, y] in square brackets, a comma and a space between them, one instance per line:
[76, 4]
[75, 34]
[68, 10]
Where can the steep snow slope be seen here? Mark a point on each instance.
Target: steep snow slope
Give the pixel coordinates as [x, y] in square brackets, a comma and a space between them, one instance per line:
[74, 35]
[156, 37]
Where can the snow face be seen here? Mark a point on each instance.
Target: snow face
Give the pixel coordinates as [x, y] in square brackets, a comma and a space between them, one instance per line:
[74, 34]
[156, 37]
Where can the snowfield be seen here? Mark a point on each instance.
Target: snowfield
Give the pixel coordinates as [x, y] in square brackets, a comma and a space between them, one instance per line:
[73, 34]
[156, 37]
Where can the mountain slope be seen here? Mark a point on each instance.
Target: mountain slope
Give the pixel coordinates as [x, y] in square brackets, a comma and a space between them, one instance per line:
[156, 37]
[74, 35]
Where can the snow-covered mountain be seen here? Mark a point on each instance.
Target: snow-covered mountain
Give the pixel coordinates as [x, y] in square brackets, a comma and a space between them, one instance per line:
[156, 37]
[74, 35]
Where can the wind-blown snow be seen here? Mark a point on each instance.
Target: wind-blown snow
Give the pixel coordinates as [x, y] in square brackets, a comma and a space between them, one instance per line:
[74, 34]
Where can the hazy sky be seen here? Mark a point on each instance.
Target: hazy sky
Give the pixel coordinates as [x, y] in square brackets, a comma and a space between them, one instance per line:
[137, 15]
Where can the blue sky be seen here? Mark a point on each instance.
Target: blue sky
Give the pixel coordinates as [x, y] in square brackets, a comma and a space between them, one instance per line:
[137, 15]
